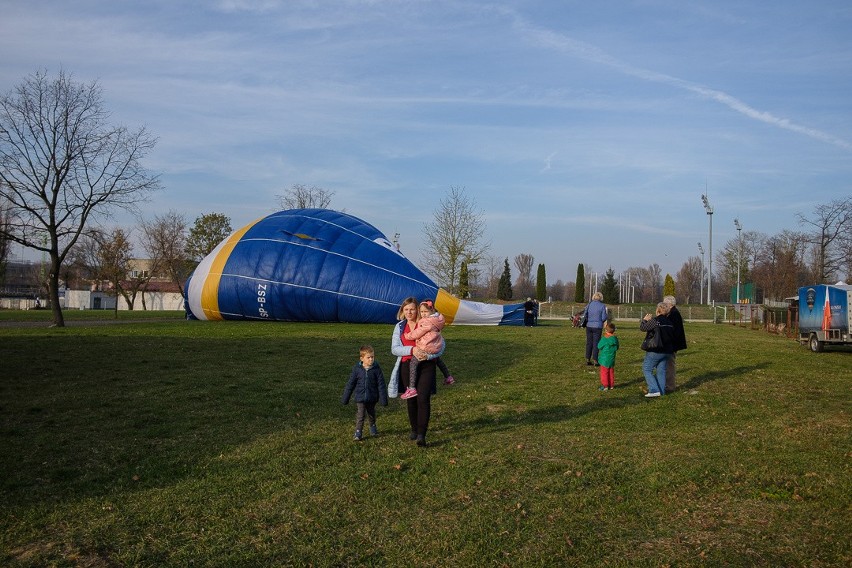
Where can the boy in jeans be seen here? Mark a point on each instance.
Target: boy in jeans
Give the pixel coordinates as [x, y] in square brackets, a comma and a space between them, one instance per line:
[367, 382]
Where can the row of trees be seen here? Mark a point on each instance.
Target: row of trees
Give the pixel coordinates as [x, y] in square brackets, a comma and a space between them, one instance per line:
[776, 264]
[172, 249]
[64, 169]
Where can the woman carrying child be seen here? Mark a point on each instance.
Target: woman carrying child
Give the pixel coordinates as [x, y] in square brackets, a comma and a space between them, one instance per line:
[419, 407]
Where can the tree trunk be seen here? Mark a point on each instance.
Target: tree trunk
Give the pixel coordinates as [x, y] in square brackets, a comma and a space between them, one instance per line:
[53, 291]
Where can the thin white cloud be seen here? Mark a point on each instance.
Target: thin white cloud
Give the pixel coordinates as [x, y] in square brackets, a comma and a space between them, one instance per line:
[594, 54]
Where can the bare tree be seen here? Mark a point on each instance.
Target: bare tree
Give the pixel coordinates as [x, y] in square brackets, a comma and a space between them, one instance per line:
[688, 285]
[62, 166]
[301, 197]
[780, 267]
[832, 226]
[114, 254]
[493, 270]
[454, 236]
[524, 284]
[164, 241]
[5, 243]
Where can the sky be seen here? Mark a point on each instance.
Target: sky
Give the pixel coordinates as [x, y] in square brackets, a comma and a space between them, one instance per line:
[584, 132]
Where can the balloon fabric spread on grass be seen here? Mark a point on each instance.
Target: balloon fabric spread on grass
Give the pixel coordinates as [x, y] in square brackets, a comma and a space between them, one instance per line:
[323, 266]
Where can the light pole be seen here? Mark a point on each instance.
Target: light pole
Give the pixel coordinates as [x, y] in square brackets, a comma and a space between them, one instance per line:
[709, 211]
[739, 254]
[701, 285]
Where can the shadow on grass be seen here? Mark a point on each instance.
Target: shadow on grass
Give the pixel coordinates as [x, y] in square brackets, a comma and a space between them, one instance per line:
[85, 416]
[563, 413]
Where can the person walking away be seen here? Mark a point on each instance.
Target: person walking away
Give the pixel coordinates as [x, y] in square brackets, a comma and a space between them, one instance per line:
[607, 347]
[367, 383]
[679, 340]
[596, 316]
[654, 365]
[427, 337]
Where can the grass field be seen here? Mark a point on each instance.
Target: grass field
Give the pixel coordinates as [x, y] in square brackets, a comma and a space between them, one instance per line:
[175, 443]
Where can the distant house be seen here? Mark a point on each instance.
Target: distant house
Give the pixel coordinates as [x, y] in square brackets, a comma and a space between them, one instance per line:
[147, 291]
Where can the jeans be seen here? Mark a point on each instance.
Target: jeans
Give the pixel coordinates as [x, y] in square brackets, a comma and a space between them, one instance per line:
[593, 336]
[656, 383]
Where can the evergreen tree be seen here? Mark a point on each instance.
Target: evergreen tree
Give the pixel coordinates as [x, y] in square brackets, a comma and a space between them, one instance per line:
[541, 284]
[609, 289]
[504, 288]
[669, 286]
[464, 284]
[580, 289]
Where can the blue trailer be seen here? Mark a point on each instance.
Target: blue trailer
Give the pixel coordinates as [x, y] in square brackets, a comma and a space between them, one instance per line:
[824, 315]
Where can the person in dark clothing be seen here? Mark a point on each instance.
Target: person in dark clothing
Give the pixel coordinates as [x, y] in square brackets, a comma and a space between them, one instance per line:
[367, 383]
[529, 313]
[656, 357]
[679, 342]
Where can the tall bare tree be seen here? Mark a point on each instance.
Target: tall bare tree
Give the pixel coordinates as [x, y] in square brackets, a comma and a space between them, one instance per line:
[524, 286]
[300, 196]
[5, 243]
[114, 256]
[781, 265]
[455, 235]
[831, 226]
[164, 241]
[688, 284]
[62, 166]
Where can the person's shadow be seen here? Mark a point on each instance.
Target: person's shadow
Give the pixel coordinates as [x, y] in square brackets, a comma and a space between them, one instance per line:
[500, 421]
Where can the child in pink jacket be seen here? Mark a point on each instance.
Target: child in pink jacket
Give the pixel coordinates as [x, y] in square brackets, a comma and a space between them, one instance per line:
[427, 336]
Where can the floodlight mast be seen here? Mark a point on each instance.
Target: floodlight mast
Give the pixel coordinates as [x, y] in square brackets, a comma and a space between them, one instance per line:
[701, 284]
[709, 209]
[739, 254]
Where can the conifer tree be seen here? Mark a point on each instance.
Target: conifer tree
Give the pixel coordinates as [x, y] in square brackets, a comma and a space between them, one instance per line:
[580, 289]
[504, 288]
[609, 289]
[669, 286]
[541, 284]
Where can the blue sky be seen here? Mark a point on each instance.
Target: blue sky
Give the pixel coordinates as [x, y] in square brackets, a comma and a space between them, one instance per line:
[584, 131]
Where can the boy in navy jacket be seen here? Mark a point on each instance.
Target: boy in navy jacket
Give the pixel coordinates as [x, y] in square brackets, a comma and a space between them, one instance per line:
[367, 382]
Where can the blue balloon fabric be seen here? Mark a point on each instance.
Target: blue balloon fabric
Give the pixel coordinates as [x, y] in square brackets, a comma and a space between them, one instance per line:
[318, 265]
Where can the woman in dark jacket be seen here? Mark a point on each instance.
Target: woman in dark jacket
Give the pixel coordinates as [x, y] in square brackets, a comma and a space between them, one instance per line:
[656, 357]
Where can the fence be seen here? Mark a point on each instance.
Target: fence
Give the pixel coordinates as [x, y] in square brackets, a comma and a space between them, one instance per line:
[567, 310]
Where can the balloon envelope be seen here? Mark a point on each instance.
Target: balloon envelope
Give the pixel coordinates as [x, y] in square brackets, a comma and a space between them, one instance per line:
[319, 265]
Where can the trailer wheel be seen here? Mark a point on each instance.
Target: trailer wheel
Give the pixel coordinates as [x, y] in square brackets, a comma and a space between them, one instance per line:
[815, 344]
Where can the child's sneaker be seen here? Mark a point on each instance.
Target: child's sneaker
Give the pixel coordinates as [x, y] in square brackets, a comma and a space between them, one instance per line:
[409, 393]
[449, 380]
[374, 431]
[357, 435]
[601, 388]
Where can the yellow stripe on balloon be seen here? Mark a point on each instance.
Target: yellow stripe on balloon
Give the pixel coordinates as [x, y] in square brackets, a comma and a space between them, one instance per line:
[448, 305]
[210, 293]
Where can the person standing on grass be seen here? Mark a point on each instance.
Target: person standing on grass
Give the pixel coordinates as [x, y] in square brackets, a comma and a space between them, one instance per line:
[607, 347]
[367, 383]
[654, 365]
[427, 337]
[419, 407]
[596, 316]
[679, 340]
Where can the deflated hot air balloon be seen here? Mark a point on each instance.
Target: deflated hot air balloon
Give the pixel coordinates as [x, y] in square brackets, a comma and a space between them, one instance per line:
[324, 266]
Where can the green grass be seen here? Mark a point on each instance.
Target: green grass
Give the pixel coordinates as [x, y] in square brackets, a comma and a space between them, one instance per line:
[174, 443]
